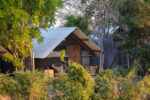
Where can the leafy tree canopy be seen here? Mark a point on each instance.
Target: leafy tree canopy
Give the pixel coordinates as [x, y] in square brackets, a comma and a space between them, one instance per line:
[134, 22]
[78, 21]
[20, 21]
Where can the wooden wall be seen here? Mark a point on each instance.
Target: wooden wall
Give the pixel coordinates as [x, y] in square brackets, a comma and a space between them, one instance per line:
[74, 53]
[47, 62]
[73, 50]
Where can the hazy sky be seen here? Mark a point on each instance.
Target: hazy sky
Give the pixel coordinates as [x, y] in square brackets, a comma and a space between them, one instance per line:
[69, 7]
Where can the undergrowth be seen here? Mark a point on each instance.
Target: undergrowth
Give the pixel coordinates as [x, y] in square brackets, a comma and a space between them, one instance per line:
[28, 85]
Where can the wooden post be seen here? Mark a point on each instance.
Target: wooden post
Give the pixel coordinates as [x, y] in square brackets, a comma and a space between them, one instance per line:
[33, 63]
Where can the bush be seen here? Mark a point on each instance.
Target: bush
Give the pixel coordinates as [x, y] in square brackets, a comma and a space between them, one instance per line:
[123, 71]
[33, 84]
[29, 85]
[135, 90]
[8, 86]
[105, 87]
[78, 85]
[134, 87]
[109, 85]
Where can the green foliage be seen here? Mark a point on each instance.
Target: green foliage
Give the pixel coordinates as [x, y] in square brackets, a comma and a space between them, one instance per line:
[134, 88]
[105, 87]
[62, 57]
[78, 85]
[24, 86]
[109, 84]
[134, 25]
[8, 86]
[123, 71]
[20, 22]
[16, 62]
[78, 21]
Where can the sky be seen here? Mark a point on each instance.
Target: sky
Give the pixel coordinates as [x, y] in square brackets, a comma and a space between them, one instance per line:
[69, 7]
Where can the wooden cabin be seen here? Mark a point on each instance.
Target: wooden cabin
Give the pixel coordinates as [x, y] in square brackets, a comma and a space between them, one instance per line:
[79, 48]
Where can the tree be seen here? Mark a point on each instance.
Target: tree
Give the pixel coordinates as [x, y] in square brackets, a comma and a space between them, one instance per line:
[70, 7]
[79, 22]
[134, 22]
[20, 22]
[103, 17]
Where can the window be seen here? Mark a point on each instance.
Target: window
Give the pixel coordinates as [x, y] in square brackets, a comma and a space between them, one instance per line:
[85, 58]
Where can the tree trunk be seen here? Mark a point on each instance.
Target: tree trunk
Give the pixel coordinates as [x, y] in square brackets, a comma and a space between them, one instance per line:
[101, 54]
[128, 61]
[29, 62]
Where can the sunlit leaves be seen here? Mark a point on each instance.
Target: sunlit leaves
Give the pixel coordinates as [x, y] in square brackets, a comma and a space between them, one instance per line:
[20, 21]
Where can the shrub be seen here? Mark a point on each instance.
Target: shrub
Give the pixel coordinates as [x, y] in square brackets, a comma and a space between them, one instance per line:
[123, 71]
[29, 85]
[9, 86]
[133, 87]
[139, 90]
[33, 84]
[78, 85]
[105, 87]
